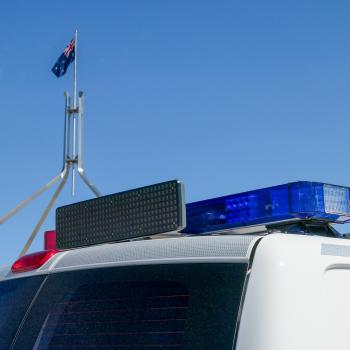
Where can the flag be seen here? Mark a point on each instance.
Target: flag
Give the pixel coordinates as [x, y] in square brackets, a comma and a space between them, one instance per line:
[64, 60]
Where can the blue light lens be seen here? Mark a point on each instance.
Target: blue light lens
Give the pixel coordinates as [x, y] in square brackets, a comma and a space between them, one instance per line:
[300, 200]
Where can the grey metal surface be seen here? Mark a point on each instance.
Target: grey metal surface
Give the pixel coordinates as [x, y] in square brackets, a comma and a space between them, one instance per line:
[80, 166]
[335, 250]
[74, 107]
[68, 162]
[158, 251]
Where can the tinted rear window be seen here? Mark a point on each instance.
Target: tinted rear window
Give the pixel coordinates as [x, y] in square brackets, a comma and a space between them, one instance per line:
[15, 298]
[187, 306]
[118, 314]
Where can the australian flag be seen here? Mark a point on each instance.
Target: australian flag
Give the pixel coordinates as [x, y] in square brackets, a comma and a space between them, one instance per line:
[65, 59]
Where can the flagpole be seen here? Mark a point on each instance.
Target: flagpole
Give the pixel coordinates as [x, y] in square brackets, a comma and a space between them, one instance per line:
[74, 107]
[75, 68]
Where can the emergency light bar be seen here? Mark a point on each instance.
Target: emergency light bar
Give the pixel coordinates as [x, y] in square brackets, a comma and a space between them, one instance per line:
[296, 200]
[122, 216]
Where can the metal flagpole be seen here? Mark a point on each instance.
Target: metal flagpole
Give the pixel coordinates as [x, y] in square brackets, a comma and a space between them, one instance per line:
[72, 158]
[74, 107]
[75, 68]
[81, 170]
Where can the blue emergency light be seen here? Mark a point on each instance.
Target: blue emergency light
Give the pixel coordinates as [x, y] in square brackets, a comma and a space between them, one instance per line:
[297, 200]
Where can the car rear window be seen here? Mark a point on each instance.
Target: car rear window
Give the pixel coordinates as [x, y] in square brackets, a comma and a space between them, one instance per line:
[15, 298]
[182, 306]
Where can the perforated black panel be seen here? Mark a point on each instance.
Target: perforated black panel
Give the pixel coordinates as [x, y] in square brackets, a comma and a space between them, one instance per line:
[136, 213]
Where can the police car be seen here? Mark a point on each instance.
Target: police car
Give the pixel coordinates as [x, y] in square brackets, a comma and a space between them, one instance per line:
[260, 270]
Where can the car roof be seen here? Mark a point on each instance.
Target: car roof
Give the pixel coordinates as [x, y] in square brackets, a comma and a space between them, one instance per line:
[152, 251]
[182, 249]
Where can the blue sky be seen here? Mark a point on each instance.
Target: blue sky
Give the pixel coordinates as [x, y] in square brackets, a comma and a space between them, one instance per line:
[225, 95]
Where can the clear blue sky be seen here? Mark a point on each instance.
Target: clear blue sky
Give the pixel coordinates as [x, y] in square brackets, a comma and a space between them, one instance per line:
[225, 95]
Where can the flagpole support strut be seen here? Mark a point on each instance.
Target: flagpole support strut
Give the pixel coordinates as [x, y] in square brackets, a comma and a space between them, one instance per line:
[72, 159]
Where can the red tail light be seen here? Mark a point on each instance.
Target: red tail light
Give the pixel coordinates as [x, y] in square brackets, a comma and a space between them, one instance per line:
[50, 240]
[33, 261]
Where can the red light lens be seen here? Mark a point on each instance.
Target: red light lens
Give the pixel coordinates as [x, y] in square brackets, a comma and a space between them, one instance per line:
[32, 261]
[50, 240]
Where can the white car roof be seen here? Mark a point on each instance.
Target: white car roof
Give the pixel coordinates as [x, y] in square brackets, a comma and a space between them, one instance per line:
[153, 251]
[193, 249]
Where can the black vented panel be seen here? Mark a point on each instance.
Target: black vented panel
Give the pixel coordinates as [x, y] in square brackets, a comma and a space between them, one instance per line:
[131, 315]
[121, 216]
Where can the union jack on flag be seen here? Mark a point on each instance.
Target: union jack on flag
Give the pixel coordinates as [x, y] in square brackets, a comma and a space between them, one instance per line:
[64, 60]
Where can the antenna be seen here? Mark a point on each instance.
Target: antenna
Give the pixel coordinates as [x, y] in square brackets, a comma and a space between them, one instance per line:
[72, 158]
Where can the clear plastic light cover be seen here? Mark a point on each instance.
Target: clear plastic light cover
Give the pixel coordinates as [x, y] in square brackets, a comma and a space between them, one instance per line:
[299, 200]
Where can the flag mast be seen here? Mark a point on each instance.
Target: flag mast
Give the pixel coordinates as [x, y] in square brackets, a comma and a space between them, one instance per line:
[74, 106]
[72, 157]
[75, 68]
